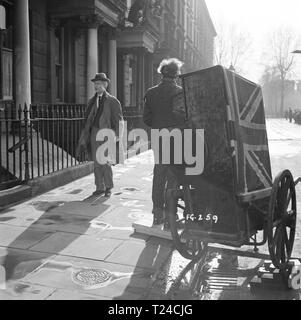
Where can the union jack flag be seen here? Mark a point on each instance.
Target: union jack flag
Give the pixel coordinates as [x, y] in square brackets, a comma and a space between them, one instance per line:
[249, 142]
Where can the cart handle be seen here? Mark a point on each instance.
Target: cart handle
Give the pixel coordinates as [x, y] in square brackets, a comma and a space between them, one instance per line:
[297, 181]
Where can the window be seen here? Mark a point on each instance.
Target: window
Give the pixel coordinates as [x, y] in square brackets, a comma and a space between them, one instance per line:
[6, 56]
[59, 64]
[7, 74]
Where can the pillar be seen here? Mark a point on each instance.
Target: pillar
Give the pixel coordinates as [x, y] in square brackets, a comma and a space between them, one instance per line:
[92, 59]
[141, 77]
[22, 53]
[92, 23]
[113, 62]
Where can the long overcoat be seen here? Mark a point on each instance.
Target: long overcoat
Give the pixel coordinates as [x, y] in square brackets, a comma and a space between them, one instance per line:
[111, 118]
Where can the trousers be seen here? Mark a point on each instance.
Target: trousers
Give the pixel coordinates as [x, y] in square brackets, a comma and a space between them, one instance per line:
[163, 179]
[103, 173]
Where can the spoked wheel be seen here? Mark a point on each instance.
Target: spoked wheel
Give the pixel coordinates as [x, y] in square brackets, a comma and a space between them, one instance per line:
[282, 220]
[188, 246]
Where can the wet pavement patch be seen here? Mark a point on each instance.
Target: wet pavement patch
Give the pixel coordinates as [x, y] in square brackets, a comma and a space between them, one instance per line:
[137, 215]
[100, 225]
[6, 219]
[4, 211]
[77, 191]
[19, 264]
[20, 288]
[55, 217]
[131, 189]
[46, 206]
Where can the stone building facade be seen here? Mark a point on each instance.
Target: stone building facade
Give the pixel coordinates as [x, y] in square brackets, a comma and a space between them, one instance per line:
[51, 49]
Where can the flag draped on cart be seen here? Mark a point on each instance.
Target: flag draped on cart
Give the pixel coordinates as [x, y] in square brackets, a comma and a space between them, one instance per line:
[231, 110]
[246, 121]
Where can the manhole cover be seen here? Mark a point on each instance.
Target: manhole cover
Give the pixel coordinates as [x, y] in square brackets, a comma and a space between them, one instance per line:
[90, 277]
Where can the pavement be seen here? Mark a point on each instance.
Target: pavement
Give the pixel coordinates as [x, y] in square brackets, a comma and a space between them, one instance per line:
[65, 245]
[61, 245]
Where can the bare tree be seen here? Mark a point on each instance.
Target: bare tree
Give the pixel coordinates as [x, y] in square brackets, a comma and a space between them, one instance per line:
[221, 47]
[269, 74]
[282, 42]
[231, 46]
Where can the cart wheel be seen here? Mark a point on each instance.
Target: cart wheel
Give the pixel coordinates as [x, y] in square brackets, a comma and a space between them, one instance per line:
[190, 248]
[282, 219]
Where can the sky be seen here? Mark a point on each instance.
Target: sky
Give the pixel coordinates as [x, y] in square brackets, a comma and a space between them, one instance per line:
[258, 18]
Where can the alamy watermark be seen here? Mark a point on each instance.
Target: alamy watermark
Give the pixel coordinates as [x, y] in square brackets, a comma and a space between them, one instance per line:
[188, 146]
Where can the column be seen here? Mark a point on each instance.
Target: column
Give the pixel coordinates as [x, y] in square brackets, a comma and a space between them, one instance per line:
[113, 62]
[141, 77]
[92, 59]
[53, 25]
[92, 23]
[22, 75]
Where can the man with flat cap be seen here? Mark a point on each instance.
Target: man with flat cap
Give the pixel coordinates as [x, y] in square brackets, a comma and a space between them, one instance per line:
[103, 112]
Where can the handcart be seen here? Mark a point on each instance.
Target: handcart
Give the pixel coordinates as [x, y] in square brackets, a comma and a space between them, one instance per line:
[234, 201]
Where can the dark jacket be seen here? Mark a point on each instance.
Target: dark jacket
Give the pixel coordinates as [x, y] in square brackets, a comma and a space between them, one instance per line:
[158, 108]
[110, 118]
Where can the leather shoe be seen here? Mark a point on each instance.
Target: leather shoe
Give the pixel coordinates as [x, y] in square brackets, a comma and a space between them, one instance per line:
[98, 193]
[108, 193]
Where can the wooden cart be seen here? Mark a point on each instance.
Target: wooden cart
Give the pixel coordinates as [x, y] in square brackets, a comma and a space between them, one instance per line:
[234, 201]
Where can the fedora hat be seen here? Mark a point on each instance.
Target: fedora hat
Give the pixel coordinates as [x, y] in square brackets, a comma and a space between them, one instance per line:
[101, 77]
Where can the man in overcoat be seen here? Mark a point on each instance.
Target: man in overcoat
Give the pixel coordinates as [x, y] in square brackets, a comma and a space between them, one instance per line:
[158, 114]
[103, 112]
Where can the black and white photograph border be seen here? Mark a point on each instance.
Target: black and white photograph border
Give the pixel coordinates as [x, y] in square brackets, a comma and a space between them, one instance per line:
[106, 109]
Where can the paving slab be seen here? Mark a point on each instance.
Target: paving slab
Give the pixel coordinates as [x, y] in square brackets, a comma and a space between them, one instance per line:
[80, 246]
[70, 207]
[58, 221]
[20, 237]
[60, 294]
[117, 233]
[16, 264]
[123, 216]
[131, 195]
[141, 255]
[19, 216]
[82, 236]
[116, 225]
[126, 202]
[24, 291]
[63, 273]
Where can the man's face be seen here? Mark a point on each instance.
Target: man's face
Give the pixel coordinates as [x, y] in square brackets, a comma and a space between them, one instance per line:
[100, 86]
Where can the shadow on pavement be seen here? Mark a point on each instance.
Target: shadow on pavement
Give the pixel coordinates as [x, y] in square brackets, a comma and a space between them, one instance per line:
[149, 265]
[57, 218]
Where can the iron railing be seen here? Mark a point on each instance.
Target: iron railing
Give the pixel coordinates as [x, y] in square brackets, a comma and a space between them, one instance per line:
[38, 140]
[42, 138]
